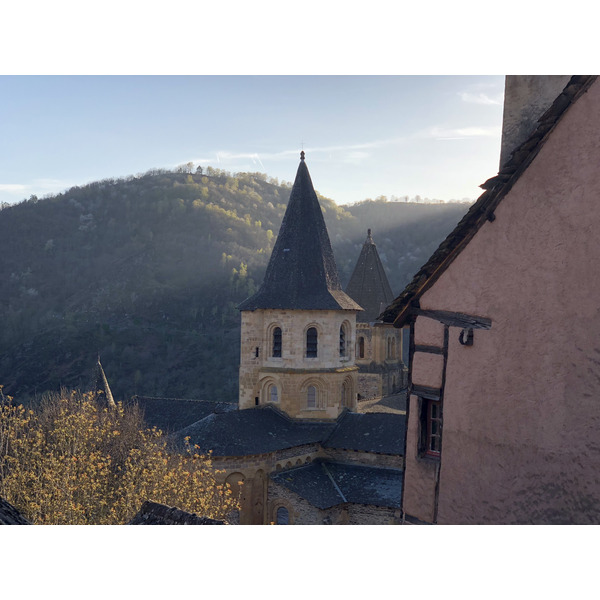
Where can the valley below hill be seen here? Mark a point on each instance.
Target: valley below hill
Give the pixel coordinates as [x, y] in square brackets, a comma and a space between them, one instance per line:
[147, 272]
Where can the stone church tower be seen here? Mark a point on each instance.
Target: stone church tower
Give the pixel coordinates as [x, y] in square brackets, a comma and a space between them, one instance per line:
[299, 330]
[378, 345]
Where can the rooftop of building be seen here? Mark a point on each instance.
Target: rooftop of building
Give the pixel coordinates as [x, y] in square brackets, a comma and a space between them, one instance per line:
[326, 483]
[153, 513]
[173, 414]
[266, 429]
[302, 273]
[9, 515]
[369, 285]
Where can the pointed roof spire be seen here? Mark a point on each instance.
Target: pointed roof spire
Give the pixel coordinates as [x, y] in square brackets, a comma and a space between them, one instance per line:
[102, 387]
[369, 284]
[302, 273]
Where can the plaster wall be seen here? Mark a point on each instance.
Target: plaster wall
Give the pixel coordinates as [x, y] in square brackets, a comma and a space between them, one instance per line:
[427, 369]
[420, 474]
[521, 406]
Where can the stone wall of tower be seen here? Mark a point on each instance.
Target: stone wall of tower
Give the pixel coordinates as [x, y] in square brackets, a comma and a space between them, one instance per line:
[382, 370]
[333, 376]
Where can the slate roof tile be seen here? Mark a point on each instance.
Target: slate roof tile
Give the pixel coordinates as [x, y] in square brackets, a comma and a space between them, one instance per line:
[153, 513]
[328, 483]
[369, 432]
[9, 515]
[251, 431]
[301, 273]
[265, 429]
[172, 414]
[369, 285]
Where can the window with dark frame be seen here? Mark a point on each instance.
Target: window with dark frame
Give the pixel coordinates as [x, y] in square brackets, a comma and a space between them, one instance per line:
[283, 516]
[431, 428]
[311, 342]
[276, 342]
[311, 397]
[361, 347]
[342, 341]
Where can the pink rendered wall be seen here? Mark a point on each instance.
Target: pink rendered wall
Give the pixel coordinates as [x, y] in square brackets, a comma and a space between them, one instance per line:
[521, 437]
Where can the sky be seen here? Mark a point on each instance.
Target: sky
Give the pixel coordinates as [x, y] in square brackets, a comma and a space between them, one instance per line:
[364, 136]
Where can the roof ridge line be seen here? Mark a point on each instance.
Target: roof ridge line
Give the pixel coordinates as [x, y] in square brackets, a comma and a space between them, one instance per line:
[335, 485]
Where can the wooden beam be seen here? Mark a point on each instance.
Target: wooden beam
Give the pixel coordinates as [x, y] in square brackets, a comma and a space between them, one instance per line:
[425, 391]
[428, 349]
[454, 319]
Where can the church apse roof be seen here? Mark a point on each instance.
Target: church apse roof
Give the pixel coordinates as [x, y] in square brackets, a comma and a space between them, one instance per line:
[328, 483]
[302, 273]
[369, 285]
[266, 429]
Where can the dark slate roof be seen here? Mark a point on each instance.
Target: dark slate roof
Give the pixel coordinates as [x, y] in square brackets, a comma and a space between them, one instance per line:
[369, 432]
[9, 515]
[393, 404]
[172, 414]
[326, 483]
[265, 429]
[252, 431]
[301, 273]
[369, 285]
[153, 513]
[496, 189]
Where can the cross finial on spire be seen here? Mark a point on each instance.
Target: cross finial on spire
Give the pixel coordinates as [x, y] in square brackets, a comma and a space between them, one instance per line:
[302, 155]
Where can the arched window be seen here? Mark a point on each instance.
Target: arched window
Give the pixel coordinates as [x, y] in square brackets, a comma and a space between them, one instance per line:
[311, 397]
[273, 394]
[343, 340]
[347, 394]
[283, 516]
[276, 342]
[389, 348]
[311, 342]
[361, 347]
[393, 354]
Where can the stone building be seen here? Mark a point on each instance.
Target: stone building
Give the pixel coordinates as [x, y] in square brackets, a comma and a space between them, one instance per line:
[504, 376]
[296, 451]
[379, 345]
[299, 329]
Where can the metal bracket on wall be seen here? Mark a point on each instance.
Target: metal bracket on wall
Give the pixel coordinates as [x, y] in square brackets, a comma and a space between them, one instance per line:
[469, 339]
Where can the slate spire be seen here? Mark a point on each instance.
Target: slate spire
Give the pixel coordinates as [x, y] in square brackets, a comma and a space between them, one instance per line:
[302, 273]
[369, 284]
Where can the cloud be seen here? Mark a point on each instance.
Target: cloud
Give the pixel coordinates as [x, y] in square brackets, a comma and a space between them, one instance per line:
[12, 188]
[460, 133]
[346, 152]
[480, 98]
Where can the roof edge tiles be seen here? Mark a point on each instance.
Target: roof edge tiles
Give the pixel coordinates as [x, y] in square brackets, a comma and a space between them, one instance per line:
[496, 188]
[302, 273]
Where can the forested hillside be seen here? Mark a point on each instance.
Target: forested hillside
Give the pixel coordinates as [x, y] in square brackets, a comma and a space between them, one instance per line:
[147, 271]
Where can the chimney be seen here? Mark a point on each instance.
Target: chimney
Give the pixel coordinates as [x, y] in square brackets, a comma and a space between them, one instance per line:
[526, 99]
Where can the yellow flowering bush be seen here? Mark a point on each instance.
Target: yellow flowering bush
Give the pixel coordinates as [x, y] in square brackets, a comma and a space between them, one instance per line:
[75, 462]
